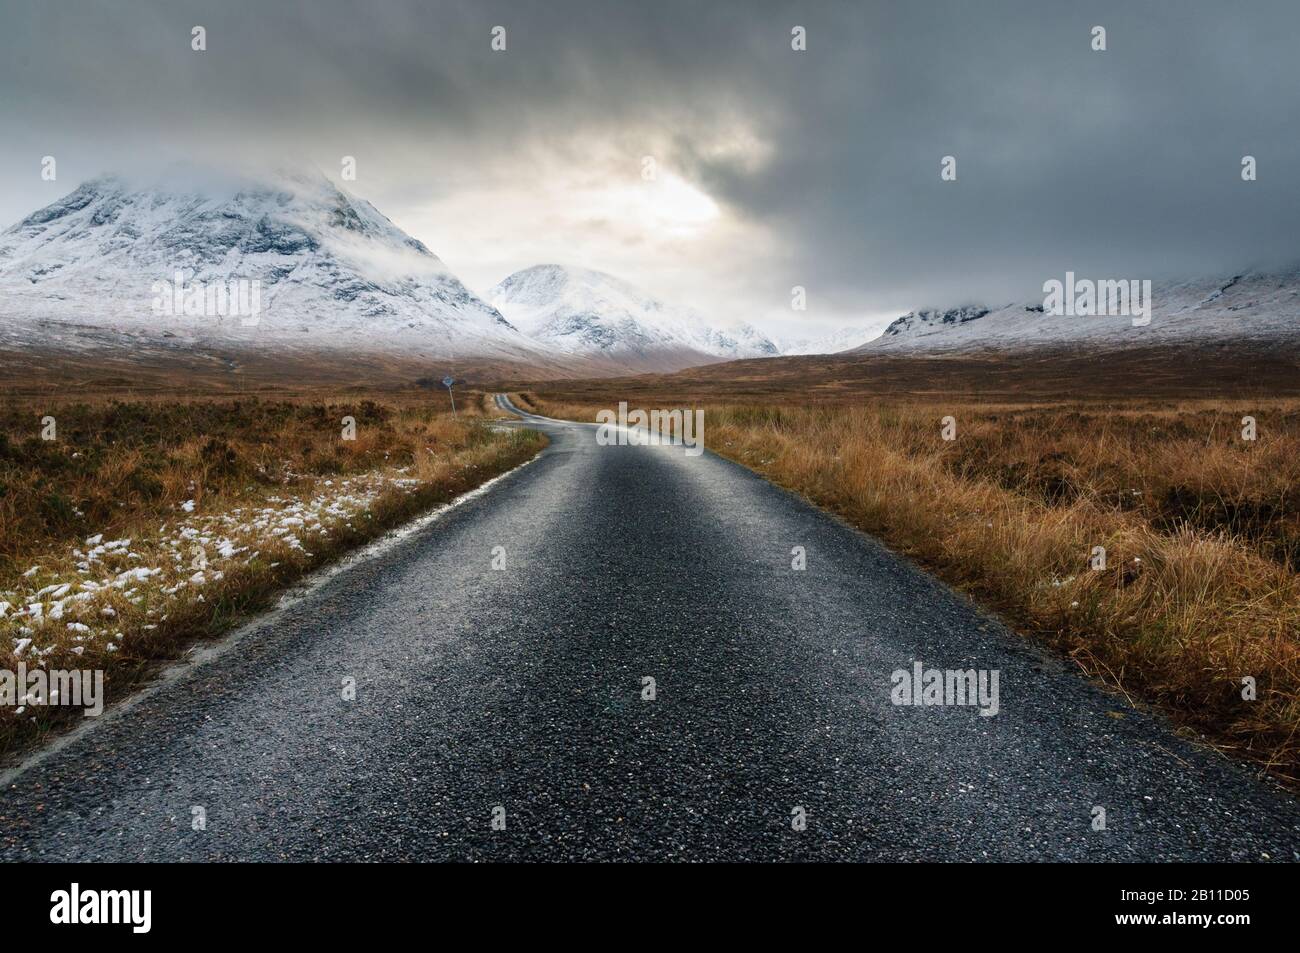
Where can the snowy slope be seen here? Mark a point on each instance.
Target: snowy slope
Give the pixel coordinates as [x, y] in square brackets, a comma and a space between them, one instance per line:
[1256, 307]
[590, 313]
[335, 274]
[844, 339]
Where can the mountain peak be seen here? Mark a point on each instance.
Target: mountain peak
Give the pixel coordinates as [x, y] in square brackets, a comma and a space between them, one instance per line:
[333, 271]
[586, 312]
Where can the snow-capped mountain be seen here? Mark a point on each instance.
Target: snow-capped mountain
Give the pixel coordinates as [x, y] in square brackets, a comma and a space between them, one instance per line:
[1256, 307]
[590, 313]
[331, 272]
[844, 339]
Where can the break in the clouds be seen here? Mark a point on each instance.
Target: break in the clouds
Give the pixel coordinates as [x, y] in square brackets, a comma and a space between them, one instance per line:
[774, 168]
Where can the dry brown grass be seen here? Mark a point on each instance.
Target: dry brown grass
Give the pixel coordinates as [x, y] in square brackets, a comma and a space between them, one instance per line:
[1201, 530]
[113, 461]
[249, 495]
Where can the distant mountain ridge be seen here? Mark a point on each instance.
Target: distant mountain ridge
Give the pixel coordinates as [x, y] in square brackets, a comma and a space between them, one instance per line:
[331, 273]
[1256, 307]
[334, 273]
[844, 339]
[585, 312]
[83, 273]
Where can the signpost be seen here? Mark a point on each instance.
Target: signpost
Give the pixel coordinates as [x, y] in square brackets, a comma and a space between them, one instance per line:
[447, 382]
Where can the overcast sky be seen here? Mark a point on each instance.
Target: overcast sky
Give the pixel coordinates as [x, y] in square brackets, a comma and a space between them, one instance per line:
[775, 168]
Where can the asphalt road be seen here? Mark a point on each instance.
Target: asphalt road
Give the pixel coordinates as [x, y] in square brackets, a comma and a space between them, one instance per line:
[522, 689]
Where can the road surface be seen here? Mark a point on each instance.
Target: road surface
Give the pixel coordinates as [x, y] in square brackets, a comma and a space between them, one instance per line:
[517, 695]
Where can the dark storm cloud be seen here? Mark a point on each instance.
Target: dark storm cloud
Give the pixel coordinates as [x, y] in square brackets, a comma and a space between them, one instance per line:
[1124, 162]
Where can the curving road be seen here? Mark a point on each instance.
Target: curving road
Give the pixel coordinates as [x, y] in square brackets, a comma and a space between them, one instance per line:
[522, 688]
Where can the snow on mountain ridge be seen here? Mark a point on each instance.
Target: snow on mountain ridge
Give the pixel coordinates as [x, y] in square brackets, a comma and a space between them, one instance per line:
[334, 271]
[1242, 307]
[930, 318]
[843, 339]
[582, 311]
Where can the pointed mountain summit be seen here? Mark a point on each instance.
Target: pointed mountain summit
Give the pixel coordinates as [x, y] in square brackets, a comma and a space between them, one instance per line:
[332, 273]
[590, 313]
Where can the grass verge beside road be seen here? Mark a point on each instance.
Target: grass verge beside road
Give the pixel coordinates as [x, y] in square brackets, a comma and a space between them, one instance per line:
[144, 526]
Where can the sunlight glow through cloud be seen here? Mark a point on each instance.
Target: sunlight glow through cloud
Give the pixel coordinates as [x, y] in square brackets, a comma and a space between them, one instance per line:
[668, 204]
